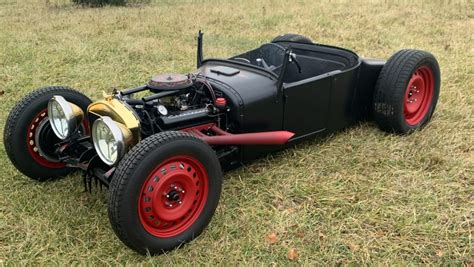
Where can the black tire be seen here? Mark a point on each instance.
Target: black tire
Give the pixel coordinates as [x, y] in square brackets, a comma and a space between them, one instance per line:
[129, 189]
[291, 37]
[16, 136]
[396, 95]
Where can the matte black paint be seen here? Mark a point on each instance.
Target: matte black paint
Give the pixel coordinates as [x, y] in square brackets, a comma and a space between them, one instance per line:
[333, 91]
[369, 73]
[253, 103]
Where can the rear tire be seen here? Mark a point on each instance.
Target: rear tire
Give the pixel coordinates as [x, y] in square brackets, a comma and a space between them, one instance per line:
[28, 137]
[406, 91]
[164, 192]
[291, 37]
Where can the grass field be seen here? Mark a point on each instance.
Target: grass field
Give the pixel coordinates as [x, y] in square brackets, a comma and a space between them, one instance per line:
[360, 196]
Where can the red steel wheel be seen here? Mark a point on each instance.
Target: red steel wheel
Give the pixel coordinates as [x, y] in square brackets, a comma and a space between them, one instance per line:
[419, 95]
[173, 196]
[164, 192]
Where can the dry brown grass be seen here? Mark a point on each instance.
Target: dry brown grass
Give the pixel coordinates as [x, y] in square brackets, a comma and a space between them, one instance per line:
[360, 196]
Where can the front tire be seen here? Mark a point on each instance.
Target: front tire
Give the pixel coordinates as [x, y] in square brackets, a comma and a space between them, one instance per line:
[406, 91]
[28, 137]
[164, 192]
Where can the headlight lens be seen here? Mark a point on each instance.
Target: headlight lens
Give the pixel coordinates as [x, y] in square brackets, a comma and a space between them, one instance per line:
[110, 139]
[64, 117]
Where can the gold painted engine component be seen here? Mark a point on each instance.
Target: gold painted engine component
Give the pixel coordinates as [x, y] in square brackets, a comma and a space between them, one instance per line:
[118, 112]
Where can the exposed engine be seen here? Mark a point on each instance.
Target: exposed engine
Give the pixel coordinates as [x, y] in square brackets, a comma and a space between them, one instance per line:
[177, 101]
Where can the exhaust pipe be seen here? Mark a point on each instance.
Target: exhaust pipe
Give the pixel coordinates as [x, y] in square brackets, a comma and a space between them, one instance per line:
[224, 138]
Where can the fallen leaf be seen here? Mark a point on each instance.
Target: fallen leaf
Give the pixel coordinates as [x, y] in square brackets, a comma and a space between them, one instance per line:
[292, 254]
[321, 236]
[440, 253]
[278, 204]
[289, 210]
[353, 247]
[272, 238]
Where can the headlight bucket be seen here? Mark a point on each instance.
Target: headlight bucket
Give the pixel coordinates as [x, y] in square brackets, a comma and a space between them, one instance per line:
[111, 139]
[64, 117]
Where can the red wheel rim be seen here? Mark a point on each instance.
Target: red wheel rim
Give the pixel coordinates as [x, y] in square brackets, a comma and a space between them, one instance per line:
[419, 95]
[33, 148]
[31, 142]
[173, 196]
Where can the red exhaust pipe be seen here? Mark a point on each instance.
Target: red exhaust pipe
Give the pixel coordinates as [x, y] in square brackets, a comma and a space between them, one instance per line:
[261, 138]
[224, 138]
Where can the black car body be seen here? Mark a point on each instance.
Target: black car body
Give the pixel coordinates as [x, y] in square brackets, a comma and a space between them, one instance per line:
[333, 90]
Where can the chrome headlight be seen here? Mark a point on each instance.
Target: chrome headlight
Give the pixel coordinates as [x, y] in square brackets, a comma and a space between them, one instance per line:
[111, 139]
[63, 116]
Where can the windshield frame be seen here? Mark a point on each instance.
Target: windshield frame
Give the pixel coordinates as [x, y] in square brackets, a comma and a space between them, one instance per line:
[239, 63]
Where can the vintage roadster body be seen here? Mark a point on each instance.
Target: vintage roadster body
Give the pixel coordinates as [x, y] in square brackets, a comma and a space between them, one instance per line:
[161, 147]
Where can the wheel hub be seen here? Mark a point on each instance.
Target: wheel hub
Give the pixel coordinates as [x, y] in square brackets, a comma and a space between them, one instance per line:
[173, 195]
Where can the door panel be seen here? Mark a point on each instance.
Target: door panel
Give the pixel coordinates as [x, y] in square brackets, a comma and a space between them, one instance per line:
[307, 105]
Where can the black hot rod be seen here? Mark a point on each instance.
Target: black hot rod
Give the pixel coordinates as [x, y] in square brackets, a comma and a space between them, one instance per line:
[162, 154]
